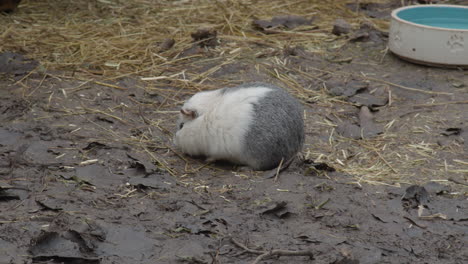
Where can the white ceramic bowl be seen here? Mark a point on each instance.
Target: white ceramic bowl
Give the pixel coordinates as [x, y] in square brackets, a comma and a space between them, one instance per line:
[431, 34]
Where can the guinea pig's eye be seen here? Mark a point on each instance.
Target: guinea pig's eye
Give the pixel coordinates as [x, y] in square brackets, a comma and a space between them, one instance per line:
[181, 125]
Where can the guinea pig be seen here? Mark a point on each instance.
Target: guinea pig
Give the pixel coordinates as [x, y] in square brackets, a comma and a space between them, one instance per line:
[255, 124]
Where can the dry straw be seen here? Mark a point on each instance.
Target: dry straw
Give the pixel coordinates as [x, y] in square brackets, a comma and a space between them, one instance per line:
[104, 40]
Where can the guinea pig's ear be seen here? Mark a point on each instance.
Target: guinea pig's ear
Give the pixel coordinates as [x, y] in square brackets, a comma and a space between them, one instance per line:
[190, 114]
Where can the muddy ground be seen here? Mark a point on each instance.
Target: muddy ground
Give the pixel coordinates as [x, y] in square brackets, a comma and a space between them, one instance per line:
[88, 172]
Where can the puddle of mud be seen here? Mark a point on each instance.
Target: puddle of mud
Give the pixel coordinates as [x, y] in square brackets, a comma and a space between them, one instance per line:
[148, 216]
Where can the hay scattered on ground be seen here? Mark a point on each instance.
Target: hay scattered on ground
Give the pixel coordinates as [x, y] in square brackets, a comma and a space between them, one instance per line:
[105, 40]
[117, 38]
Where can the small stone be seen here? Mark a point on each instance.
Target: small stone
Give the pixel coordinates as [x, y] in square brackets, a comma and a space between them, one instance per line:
[458, 84]
[341, 27]
[205, 37]
[166, 44]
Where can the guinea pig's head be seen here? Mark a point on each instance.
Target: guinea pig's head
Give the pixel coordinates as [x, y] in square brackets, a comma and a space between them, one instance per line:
[196, 106]
[186, 115]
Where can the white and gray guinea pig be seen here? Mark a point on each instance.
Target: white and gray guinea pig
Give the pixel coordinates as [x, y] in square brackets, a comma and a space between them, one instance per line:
[255, 124]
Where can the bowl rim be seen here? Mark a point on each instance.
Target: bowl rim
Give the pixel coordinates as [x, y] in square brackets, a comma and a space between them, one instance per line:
[397, 18]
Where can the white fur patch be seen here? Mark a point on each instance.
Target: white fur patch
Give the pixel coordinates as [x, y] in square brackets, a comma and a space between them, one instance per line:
[223, 120]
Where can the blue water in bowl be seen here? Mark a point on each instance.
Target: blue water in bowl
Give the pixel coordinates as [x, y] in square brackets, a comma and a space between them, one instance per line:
[437, 16]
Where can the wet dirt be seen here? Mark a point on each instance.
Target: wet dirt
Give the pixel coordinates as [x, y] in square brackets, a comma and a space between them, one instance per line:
[84, 178]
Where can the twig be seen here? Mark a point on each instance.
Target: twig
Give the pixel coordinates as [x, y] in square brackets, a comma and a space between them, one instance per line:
[6, 32]
[274, 252]
[280, 252]
[275, 172]
[385, 53]
[434, 216]
[457, 181]
[307, 74]
[278, 169]
[386, 82]
[161, 163]
[246, 248]
[191, 259]
[110, 85]
[26, 76]
[97, 111]
[142, 116]
[385, 161]
[414, 222]
[439, 104]
[404, 87]
[8, 222]
[322, 204]
[178, 154]
[38, 86]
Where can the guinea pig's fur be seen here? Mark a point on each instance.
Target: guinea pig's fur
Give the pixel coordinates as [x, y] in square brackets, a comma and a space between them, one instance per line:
[255, 124]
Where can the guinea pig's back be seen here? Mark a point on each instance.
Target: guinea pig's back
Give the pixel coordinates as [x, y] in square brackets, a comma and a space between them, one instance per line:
[228, 121]
[277, 130]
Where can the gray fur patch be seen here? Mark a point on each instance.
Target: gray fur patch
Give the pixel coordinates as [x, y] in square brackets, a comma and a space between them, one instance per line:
[277, 131]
